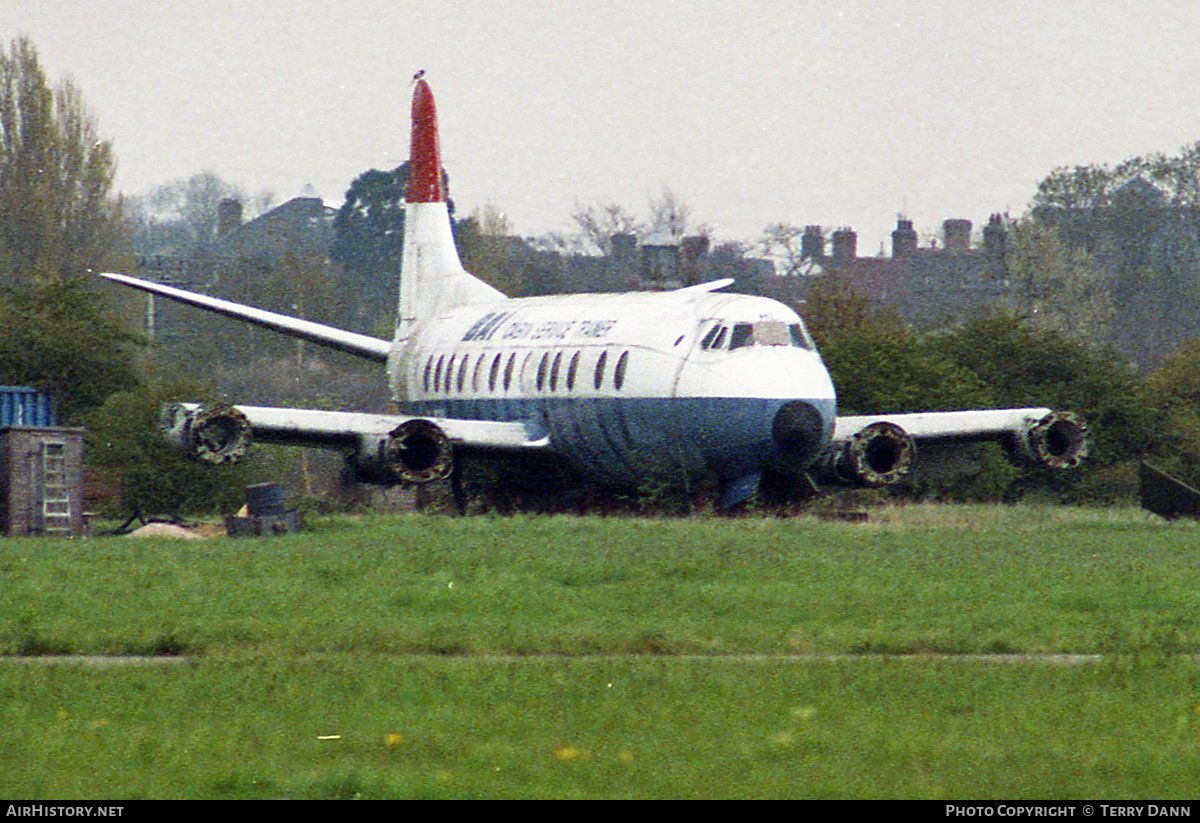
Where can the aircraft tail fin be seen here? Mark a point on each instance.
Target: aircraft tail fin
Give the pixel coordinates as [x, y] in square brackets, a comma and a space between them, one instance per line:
[432, 278]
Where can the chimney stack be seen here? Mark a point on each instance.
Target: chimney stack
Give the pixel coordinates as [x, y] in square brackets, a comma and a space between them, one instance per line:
[994, 236]
[956, 235]
[812, 243]
[904, 239]
[229, 215]
[845, 245]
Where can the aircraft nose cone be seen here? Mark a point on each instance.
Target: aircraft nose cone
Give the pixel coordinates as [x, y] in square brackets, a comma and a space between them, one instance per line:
[797, 429]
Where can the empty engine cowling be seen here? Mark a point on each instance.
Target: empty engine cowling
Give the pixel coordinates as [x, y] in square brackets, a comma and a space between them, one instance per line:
[417, 451]
[1060, 440]
[879, 455]
[218, 435]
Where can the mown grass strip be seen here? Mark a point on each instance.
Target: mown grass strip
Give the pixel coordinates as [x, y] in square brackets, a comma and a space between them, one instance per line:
[655, 727]
[973, 580]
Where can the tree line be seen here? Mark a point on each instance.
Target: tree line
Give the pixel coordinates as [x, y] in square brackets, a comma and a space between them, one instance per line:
[1098, 241]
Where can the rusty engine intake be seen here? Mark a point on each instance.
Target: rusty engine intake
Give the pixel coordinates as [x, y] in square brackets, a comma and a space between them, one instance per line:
[1059, 441]
[218, 435]
[879, 455]
[416, 451]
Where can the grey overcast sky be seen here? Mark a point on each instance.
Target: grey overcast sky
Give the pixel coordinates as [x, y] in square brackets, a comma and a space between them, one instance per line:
[837, 113]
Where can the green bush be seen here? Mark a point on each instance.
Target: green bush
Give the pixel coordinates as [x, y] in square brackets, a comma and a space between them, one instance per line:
[125, 446]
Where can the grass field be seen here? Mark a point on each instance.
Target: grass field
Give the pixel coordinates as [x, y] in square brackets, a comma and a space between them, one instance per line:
[587, 657]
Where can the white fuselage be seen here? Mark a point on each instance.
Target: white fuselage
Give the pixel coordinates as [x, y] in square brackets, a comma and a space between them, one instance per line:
[627, 386]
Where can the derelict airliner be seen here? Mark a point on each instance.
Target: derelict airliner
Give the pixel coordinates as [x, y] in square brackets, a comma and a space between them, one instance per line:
[628, 388]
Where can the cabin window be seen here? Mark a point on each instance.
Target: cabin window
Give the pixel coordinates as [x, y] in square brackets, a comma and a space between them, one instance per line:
[450, 373]
[428, 372]
[508, 370]
[572, 370]
[543, 367]
[598, 378]
[437, 373]
[462, 372]
[525, 378]
[619, 371]
[495, 372]
[554, 371]
[475, 376]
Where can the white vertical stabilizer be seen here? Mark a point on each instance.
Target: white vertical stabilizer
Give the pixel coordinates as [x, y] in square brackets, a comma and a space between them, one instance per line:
[432, 278]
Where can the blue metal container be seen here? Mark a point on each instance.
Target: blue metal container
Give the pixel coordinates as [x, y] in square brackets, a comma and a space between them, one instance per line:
[20, 407]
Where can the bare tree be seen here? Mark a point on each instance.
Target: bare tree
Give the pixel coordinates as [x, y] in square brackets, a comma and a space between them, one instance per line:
[492, 221]
[782, 243]
[184, 212]
[597, 224]
[669, 215]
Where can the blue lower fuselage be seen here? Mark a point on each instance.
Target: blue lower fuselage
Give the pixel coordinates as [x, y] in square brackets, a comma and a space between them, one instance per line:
[628, 440]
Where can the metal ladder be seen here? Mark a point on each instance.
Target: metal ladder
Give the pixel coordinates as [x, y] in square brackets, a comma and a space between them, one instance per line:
[56, 497]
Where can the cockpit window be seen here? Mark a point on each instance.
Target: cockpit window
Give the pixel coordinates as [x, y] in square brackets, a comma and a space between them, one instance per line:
[758, 333]
[800, 337]
[743, 335]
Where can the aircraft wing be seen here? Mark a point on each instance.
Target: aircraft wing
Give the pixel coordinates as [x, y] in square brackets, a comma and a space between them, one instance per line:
[362, 345]
[381, 447]
[332, 428]
[879, 449]
[992, 424]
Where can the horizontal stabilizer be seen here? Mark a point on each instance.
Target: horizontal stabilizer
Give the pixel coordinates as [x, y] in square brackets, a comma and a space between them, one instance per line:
[712, 285]
[358, 344]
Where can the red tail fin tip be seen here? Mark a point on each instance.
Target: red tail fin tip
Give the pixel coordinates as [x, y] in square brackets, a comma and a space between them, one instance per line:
[425, 155]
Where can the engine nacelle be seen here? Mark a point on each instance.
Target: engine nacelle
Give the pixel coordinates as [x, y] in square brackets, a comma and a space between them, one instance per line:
[416, 451]
[878, 455]
[218, 435]
[1060, 440]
